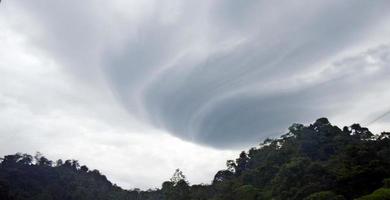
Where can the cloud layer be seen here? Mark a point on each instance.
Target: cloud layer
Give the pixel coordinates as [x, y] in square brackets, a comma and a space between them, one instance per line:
[239, 72]
[220, 73]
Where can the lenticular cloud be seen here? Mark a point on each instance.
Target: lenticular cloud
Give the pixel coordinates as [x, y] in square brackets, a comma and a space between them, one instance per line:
[226, 76]
[224, 73]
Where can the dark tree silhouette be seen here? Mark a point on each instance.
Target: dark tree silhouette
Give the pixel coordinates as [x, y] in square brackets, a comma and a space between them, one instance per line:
[315, 162]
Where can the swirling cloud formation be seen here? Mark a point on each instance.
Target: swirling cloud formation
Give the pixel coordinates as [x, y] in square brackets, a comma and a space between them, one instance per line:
[225, 73]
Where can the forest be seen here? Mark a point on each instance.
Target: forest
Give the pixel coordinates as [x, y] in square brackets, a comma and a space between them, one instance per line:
[319, 161]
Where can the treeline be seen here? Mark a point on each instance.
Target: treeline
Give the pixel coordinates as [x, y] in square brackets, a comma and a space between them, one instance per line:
[314, 162]
[23, 176]
[319, 161]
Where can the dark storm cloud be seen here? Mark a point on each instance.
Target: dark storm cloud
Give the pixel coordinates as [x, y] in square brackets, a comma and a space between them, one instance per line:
[221, 73]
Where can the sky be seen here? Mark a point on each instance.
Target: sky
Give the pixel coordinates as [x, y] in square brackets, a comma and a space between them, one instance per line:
[137, 88]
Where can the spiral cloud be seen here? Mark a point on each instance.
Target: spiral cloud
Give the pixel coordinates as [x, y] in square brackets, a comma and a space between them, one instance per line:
[225, 73]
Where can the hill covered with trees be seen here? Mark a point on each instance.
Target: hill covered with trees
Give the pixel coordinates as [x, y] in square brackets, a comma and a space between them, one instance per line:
[314, 162]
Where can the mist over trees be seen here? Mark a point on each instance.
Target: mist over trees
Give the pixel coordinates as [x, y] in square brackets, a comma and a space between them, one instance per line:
[314, 162]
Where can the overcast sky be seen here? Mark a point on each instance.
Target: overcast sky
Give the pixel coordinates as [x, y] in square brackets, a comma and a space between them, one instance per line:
[138, 88]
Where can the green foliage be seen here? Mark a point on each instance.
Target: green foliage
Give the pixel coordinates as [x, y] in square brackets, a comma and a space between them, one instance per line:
[318, 161]
[386, 183]
[380, 194]
[177, 188]
[346, 163]
[246, 192]
[25, 177]
[325, 195]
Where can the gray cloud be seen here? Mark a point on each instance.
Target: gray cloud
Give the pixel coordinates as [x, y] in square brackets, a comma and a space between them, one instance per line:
[200, 102]
[221, 73]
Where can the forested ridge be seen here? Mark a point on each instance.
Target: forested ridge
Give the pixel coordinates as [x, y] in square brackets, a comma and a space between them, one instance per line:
[314, 162]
